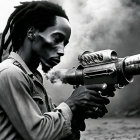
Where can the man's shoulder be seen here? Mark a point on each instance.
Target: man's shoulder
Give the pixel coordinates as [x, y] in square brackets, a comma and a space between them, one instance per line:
[8, 68]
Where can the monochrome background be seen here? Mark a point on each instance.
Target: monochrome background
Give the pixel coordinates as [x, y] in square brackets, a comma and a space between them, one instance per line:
[97, 25]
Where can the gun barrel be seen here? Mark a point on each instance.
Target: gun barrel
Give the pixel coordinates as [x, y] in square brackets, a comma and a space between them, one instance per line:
[117, 71]
[73, 77]
[132, 65]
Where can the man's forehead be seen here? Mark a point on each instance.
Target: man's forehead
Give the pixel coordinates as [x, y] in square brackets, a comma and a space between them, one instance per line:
[62, 25]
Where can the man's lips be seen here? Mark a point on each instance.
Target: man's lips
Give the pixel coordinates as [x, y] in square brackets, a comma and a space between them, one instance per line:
[54, 61]
[51, 62]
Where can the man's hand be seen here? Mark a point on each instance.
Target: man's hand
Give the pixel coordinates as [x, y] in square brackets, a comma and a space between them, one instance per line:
[89, 101]
[109, 91]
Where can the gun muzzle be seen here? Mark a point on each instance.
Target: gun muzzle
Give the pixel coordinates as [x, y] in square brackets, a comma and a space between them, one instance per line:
[73, 77]
[132, 65]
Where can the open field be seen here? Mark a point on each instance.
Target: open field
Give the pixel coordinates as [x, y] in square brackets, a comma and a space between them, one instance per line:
[112, 129]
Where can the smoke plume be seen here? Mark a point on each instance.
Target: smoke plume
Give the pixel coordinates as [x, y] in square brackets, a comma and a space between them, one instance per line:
[103, 24]
[56, 76]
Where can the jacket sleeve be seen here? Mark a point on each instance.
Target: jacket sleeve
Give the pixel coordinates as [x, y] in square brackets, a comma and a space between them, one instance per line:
[24, 113]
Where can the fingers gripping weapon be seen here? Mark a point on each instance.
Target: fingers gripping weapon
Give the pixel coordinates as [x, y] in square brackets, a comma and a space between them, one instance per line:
[103, 67]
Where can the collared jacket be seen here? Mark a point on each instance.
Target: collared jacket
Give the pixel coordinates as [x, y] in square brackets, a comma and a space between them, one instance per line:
[26, 112]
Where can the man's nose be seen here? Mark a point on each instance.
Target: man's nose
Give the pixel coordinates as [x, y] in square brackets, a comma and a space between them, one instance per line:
[60, 50]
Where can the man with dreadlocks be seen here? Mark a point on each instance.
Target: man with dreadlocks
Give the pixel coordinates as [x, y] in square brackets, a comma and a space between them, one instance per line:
[36, 33]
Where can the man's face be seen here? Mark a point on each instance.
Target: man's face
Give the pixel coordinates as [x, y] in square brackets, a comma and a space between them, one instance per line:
[50, 43]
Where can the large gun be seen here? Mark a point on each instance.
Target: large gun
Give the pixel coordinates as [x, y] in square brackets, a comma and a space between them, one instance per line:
[102, 67]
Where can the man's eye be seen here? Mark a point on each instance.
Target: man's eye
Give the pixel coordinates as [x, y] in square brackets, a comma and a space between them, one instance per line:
[58, 38]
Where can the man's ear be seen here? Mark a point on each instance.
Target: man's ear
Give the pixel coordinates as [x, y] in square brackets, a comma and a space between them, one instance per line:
[31, 33]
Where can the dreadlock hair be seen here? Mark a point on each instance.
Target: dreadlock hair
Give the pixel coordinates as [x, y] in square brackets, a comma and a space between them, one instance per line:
[37, 14]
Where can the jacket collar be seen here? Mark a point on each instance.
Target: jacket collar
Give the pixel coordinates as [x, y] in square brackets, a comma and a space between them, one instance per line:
[16, 57]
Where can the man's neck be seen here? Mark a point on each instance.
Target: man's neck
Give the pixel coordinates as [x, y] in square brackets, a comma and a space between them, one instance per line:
[29, 58]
